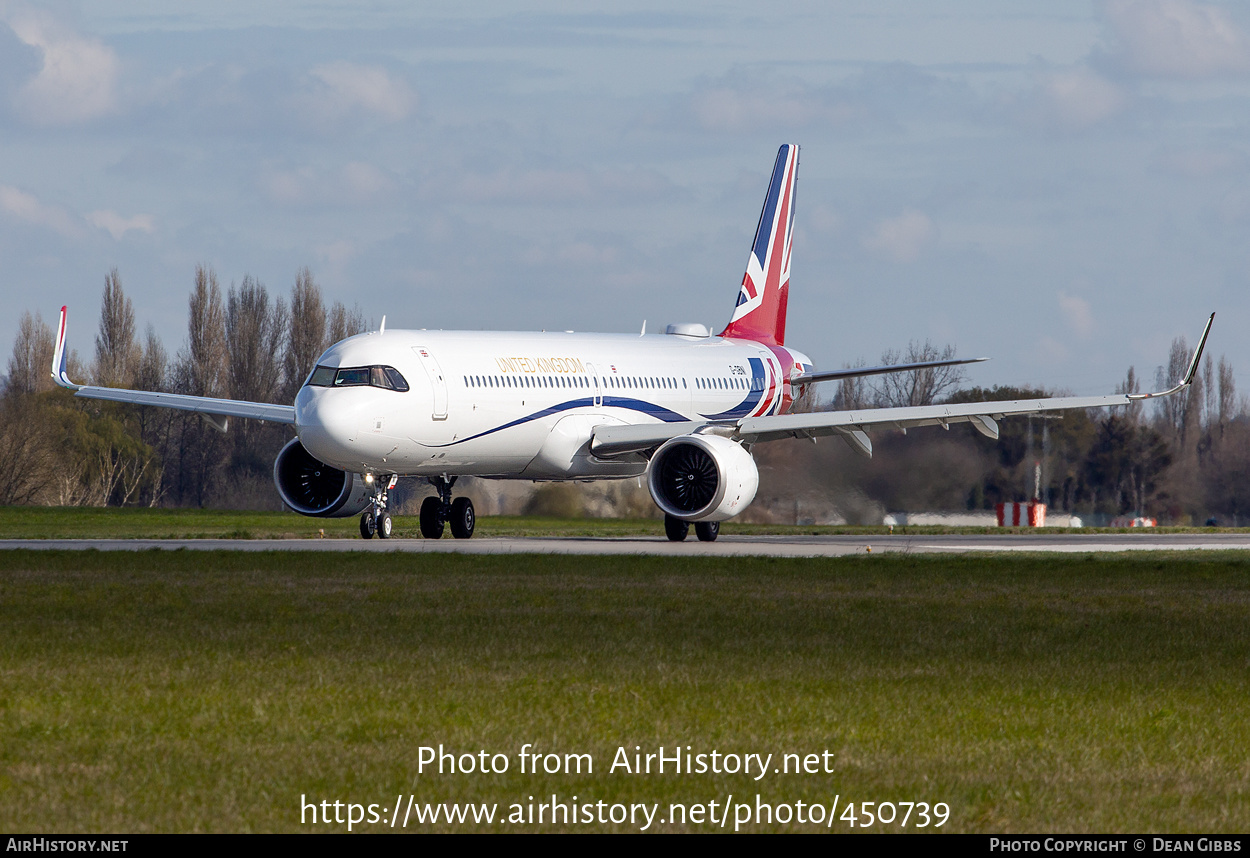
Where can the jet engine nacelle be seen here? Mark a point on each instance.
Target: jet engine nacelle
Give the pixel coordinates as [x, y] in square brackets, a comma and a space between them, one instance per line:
[311, 487]
[702, 478]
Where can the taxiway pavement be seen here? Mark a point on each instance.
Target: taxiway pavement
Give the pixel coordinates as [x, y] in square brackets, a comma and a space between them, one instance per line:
[726, 546]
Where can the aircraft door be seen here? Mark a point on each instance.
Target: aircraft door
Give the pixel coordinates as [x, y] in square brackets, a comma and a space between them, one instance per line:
[437, 381]
[595, 383]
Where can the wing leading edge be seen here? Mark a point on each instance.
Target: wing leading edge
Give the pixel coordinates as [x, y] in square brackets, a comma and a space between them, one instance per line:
[213, 409]
[611, 441]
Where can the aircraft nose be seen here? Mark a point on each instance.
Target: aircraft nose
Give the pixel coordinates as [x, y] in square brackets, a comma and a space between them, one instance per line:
[328, 422]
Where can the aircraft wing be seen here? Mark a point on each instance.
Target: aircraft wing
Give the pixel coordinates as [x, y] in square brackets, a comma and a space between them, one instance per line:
[618, 440]
[213, 409]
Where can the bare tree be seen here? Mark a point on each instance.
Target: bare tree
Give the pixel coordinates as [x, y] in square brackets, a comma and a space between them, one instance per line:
[306, 336]
[155, 424]
[1131, 384]
[345, 323]
[1173, 410]
[255, 328]
[29, 456]
[201, 368]
[853, 393]
[153, 368]
[117, 354]
[201, 371]
[920, 386]
[1210, 396]
[1227, 392]
[30, 367]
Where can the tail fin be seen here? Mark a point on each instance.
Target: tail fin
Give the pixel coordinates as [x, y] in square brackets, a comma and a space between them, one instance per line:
[761, 310]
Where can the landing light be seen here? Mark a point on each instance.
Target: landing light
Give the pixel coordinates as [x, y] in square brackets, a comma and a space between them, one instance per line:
[369, 478]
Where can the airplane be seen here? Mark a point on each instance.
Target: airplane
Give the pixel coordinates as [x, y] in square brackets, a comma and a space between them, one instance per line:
[682, 409]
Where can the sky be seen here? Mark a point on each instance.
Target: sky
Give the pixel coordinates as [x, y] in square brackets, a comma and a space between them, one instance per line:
[1061, 186]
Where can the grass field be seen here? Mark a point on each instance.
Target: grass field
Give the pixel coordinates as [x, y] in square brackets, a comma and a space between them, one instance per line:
[209, 691]
[143, 523]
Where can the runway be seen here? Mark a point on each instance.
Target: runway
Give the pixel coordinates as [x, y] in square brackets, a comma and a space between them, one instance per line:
[726, 546]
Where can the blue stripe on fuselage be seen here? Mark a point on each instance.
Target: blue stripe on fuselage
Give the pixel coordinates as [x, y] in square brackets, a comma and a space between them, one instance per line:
[658, 411]
[746, 406]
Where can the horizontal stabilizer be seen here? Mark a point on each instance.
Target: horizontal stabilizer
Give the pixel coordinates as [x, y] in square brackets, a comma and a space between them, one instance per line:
[861, 371]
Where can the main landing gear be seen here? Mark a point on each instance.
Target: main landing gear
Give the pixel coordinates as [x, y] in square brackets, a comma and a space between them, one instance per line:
[376, 521]
[442, 510]
[677, 529]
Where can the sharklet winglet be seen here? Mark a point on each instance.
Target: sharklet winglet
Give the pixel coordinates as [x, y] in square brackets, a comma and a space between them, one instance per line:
[59, 372]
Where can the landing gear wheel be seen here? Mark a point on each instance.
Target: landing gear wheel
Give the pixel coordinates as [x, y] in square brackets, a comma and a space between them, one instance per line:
[463, 519]
[368, 525]
[384, 525]
[707, 531]
[675, 529]
[431, 518]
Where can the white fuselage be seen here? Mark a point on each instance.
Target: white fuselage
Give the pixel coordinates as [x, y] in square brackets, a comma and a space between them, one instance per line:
[524, 405]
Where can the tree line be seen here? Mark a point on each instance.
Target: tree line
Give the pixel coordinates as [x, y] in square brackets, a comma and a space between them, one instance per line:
[241, 344]
[1183, 459]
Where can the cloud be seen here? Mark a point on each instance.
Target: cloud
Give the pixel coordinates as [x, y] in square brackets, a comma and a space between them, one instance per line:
[742, 102]
[117, 226]
[337, 253]
[27, 207]
[1050, 350]
[748, 100]
[1079, 98]
[364, 181]
[355, 183]
[1202, 163]
[537, 186]
[576, 253]
[724, 108]
[1077, 313]
[1177, 38]
[341, 88]
[901, 238]
[77, 80]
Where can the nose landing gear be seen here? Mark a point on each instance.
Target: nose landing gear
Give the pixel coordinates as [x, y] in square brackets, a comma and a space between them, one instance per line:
[440, 511]
[376, 521]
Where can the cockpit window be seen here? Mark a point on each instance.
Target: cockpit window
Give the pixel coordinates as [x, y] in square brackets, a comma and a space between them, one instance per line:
[322, 376]
[386, 377]
[352, 377]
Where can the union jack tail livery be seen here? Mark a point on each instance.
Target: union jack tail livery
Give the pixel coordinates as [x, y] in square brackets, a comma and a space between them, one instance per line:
[760, 314]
